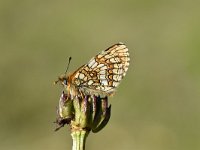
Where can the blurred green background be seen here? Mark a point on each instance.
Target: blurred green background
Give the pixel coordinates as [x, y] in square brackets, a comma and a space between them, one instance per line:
[157, 105]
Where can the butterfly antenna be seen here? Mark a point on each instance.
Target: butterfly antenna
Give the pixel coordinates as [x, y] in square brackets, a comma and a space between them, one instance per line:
[68, 64]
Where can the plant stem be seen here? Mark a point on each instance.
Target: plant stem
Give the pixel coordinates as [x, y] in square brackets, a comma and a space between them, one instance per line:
[79, 139]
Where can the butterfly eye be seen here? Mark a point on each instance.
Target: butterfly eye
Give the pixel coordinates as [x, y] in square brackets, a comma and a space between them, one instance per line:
[65, 81]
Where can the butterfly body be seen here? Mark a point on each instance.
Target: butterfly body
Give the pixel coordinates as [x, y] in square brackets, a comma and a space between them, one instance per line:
[101, 75]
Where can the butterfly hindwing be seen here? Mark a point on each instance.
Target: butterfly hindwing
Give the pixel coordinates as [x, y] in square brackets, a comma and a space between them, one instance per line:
[104, 71]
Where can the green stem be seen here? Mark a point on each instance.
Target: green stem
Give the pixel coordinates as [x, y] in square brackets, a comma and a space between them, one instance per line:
[79, 139]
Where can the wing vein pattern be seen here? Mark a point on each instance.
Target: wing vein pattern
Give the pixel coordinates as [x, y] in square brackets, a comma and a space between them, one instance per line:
[104, 71]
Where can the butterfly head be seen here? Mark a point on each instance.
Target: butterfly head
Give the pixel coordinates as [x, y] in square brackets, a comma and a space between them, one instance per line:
[63, 79]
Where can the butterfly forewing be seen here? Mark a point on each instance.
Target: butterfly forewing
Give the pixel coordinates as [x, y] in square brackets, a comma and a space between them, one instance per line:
[103, 72]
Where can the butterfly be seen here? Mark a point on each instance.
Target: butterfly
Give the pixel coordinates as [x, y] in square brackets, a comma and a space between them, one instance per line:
[100, 76]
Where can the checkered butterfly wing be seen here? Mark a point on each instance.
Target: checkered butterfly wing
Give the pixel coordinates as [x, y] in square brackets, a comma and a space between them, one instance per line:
[103, 73]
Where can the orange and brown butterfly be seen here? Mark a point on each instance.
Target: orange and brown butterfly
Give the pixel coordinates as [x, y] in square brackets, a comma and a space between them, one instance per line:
[101, 75]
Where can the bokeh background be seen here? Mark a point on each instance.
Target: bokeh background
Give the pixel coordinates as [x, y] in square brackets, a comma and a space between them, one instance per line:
[156, 107]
